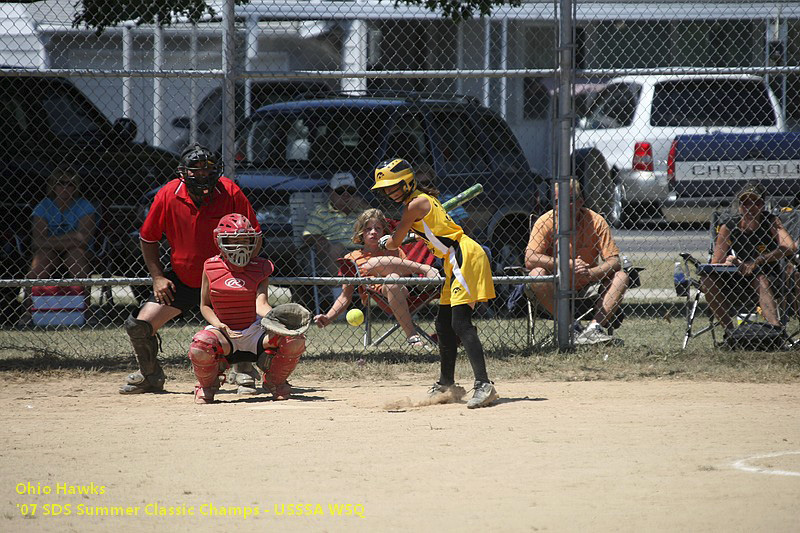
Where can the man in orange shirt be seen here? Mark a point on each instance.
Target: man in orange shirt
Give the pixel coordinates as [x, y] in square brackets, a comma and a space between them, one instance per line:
[594, 258]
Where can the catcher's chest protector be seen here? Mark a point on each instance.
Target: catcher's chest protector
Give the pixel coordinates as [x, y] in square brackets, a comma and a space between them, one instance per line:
[233, 293]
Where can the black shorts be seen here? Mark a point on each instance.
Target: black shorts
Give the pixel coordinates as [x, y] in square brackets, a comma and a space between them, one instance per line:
[184, 297]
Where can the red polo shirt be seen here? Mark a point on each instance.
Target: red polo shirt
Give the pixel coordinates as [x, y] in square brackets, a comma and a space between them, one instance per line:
[189, 229]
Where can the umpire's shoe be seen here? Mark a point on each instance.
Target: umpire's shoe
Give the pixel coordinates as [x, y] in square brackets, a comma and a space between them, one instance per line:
[137, 383]
[244, 376]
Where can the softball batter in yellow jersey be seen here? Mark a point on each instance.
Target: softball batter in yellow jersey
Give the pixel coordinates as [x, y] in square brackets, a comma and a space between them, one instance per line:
[467, 269]
[468, 276]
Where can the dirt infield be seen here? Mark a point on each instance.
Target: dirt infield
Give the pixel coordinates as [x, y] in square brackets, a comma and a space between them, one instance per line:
[647, 455]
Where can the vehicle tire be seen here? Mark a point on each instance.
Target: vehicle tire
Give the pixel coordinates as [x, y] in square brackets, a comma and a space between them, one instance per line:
[600, 191]
[616, 215]
[511, 240]
[141, 293]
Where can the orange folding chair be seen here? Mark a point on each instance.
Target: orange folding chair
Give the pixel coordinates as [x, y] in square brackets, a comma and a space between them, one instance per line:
[419, 295]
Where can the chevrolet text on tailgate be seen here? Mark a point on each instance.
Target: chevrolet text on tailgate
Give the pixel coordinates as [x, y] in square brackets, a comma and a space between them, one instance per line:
[706, 171]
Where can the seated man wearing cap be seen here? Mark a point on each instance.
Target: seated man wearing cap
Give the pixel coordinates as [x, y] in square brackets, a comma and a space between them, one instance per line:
[329, 228]
[755, 241]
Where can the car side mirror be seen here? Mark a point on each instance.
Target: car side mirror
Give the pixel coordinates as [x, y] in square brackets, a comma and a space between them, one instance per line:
[183, 123]
[125, 130]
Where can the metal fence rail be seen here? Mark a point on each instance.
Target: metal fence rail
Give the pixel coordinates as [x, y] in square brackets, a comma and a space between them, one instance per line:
[662, 112]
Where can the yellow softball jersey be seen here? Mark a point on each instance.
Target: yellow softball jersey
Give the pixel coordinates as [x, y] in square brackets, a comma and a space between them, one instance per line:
[466, 266]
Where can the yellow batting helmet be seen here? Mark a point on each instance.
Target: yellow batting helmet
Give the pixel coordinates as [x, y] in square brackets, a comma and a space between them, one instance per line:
[393, 172]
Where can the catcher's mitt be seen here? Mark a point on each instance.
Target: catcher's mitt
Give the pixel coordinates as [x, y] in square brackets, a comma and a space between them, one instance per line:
[287, 319]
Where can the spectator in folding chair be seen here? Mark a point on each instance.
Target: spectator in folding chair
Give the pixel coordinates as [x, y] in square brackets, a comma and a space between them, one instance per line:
[328, 229]
[594, 258]
[63, 226]
[790, 218]
[372, 261]
[755, 241]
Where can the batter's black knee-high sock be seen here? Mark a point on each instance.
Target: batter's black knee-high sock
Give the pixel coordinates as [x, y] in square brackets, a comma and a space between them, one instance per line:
[448, 345]
[468, 333]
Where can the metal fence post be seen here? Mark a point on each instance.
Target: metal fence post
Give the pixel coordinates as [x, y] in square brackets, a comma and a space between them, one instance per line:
[565, 125]
[229, 88]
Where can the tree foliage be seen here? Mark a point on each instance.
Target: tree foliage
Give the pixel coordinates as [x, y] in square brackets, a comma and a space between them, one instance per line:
[458, 10]
[102, 14]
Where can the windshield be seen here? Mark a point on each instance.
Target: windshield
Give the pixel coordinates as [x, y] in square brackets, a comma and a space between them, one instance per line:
[68, 114]
[344, 138]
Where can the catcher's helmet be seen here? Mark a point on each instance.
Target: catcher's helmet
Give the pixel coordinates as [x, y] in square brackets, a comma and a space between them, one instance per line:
[395, 172]
[199, 169]
[235, 250]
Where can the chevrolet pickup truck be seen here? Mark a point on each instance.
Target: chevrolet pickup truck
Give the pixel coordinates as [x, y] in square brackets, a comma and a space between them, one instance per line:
[704, 172]
[633, 120]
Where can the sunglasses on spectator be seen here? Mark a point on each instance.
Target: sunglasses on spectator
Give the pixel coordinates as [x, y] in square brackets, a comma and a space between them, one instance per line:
[66, 183]
[342, 190]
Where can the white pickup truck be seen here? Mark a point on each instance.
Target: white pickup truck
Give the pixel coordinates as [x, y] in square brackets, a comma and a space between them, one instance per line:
[634, 119]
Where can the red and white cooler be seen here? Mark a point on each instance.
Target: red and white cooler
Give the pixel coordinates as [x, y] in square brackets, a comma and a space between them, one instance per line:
[58, 306]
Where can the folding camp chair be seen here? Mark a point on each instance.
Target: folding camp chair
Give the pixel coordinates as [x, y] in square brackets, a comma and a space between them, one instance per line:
[419, 297]
[584, 302]
[744, 305]
[790, 218]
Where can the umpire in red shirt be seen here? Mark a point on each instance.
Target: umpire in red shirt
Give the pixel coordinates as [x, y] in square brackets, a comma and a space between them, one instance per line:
[186, 210]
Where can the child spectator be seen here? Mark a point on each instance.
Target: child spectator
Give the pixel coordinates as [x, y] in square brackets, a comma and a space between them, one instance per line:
[372, 261]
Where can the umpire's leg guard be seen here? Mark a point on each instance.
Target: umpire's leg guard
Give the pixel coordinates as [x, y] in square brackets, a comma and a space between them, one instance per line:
[278, 362]
[150, 377]
[245, 376]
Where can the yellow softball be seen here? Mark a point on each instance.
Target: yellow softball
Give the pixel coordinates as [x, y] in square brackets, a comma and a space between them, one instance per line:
[355, 317]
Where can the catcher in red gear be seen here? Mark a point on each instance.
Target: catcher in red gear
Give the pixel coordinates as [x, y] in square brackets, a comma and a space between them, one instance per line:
[233, 298]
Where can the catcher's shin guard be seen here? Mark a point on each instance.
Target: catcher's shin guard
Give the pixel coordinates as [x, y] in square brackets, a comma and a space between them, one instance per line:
[279, 361]
[150, 377]
[205, 353]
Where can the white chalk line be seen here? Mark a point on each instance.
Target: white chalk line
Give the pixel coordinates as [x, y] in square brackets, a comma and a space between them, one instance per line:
[741, 464]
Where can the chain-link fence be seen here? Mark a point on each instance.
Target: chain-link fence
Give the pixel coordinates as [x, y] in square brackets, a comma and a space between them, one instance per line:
[673, 108]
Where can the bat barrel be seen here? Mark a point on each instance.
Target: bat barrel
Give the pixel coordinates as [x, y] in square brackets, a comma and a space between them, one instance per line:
[463, 196]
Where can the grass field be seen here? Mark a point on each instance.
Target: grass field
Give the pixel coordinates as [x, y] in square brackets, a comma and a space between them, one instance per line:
[651, 349]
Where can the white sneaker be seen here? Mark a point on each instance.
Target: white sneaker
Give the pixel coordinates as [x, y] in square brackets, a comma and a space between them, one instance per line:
[593, 334]
[485, 394]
